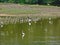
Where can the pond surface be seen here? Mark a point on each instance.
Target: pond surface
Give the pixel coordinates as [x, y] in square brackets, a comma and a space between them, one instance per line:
[40, 31]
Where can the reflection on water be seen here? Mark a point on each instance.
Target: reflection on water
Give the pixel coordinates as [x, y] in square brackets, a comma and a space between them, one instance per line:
[29, 31]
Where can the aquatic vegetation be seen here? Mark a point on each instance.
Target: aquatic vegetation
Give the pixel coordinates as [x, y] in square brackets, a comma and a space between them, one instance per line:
[29, 31]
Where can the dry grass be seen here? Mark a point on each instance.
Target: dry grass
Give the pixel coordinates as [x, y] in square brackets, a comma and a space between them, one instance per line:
[26, 10]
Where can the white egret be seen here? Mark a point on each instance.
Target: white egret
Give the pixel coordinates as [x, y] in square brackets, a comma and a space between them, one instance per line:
[50, 22]
[23, 34]
[29, 23]
[1, 22]
[29, 20]
[1, 26]
[49, 18]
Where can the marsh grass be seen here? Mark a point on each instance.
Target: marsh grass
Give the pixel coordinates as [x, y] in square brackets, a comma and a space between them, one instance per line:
[41, 32]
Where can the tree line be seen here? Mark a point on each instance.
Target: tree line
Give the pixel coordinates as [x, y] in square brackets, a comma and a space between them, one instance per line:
[40, 2]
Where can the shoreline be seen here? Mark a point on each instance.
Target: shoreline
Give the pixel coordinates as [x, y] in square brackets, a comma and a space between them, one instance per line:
[47, 15]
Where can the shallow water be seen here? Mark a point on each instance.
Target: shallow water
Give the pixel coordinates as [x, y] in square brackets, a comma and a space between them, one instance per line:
[40, 31]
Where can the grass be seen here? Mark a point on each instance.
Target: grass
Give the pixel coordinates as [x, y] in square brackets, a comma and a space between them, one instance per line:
[17, 11]
[40, 33]
[28, 9]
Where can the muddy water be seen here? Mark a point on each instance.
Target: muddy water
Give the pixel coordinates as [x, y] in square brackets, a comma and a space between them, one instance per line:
[29, 31]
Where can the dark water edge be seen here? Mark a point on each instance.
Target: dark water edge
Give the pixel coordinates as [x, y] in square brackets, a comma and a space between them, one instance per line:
[29, 30]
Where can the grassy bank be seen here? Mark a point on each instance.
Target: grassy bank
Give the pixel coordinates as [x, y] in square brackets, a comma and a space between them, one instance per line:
[17, 9]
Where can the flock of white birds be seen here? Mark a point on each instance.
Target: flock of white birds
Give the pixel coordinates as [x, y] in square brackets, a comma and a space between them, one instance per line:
[4, 20]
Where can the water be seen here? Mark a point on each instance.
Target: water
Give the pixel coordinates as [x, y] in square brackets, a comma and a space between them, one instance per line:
[44, 31]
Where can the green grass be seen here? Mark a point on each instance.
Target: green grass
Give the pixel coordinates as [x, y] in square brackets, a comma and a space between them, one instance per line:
[34, 34]
[17, 11]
